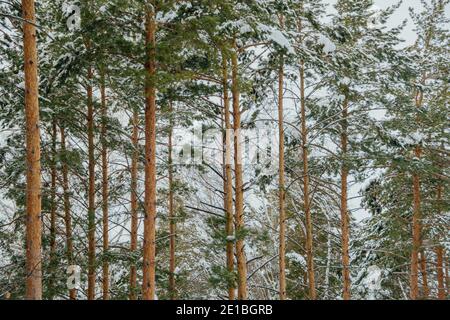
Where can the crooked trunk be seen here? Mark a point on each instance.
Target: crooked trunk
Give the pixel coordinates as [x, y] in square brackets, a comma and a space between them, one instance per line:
[148, 286]
[239, 210]
[33, 162]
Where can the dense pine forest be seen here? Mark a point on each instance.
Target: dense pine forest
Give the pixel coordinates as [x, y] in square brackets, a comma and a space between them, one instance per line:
[224, 150]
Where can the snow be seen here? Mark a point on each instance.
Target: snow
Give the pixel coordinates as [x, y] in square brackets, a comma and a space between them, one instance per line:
[328, 45]
[231, 238]
[277, 37]
[166, 17]
[296, 257]
[373, 281]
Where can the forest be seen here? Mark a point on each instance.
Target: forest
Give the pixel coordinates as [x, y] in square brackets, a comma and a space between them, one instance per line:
[224, 150]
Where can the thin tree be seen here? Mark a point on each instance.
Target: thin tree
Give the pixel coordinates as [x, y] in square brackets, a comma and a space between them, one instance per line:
[306, 178]
[67, 213]
[172, 217]
[91, 188]
[105, 187]
[228, 177]
[281, 185]
[239, 210]
[344, 200]
[148, 286]
[53, 207]
[134, 203]
[33, 145]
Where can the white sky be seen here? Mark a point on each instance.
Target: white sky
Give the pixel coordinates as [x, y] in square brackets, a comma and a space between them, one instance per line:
[409, 36]
[401, 14]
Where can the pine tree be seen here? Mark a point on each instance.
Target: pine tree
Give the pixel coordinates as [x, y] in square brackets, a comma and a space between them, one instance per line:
[34, 263]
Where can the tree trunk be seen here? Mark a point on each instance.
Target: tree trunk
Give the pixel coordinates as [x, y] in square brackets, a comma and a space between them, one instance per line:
[416, 224]
[423, 271]
[440, 272]
[53, 207]
[239, 217]
[105, 190]
[91, 191]
[33, 145]
[150, 161]
[281, 187]
[329, 258]
[228, 178]
[307, 197]
[416, 236]
[67, 215]
[440, 252]
[134, 204]
[447, 275]
[344, 208]
[172, 217]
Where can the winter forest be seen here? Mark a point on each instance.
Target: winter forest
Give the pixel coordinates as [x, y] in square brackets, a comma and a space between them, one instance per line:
[224, 150]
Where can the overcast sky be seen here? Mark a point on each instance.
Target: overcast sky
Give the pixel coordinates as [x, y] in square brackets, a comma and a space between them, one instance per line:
[401, 14]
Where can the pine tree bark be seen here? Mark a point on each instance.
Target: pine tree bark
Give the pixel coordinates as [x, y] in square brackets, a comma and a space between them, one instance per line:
[67, 214]
[134, 204]
[440, 272]
[33, 164]
[91, 191]
[172, 217]
[105, 190]
[416, 238]
[228, 178]
[423, 271]
[447, 274]
[306, 193]
[53, 207]
[239, 206]
[281, 186]
[150, 161]
[416, 221]
[344, 207]
[416, 235]
[440, 252]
